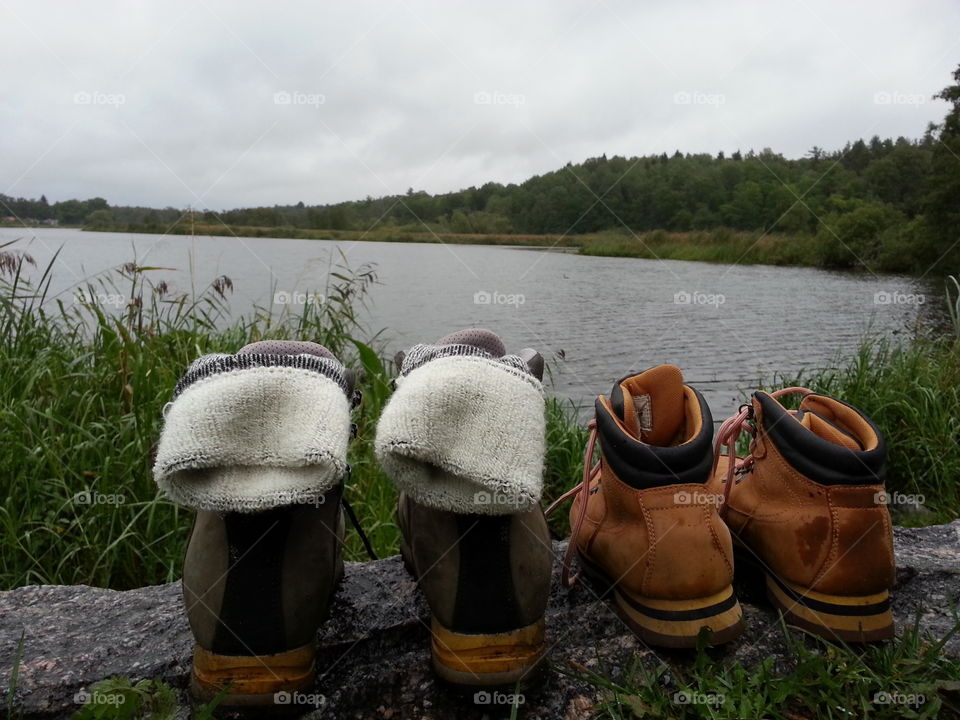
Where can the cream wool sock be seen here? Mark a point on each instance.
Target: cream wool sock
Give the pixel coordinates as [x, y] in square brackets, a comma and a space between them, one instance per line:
[465, 433]
[248, 435]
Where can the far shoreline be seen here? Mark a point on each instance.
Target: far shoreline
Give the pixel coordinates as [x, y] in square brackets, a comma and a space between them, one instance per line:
[720, 245]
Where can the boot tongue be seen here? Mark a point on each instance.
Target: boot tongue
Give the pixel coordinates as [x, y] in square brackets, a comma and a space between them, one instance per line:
[285, 347]
[823, 427]
[651, 404]
[486, 340]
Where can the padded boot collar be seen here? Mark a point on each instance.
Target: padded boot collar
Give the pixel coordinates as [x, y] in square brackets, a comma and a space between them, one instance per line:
[815, 457]
[644, 466]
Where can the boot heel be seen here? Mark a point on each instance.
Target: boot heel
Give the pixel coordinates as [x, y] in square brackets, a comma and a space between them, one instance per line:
[850, 618]
[260, 680]
[677, 623]
[486, 659]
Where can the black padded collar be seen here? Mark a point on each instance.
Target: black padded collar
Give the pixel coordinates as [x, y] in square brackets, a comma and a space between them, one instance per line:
[819, 459]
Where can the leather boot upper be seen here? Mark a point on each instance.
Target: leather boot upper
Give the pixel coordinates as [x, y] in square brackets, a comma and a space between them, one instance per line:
[812, 504]
[651, 521]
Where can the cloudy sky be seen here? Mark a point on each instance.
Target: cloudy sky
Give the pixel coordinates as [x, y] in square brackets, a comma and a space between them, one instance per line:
[227, 104]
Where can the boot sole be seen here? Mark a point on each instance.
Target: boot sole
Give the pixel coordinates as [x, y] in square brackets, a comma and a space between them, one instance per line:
[259, 681]
[486, 660]
[482, 660]
[672, 623]
[850, 618]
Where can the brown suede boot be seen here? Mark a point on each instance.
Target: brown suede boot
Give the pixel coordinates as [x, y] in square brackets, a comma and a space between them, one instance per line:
[644, 523]
[463, 439]
[809, 505]
[256, 444]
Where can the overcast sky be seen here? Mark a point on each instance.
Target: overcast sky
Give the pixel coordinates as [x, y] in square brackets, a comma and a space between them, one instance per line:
[226, 104]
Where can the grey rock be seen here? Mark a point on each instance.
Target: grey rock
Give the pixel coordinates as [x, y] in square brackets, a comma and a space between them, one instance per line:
[374, 657]
[908, 509]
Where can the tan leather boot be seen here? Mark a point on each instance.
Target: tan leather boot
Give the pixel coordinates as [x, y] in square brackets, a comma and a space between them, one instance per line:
[809, 505]
[648, 528]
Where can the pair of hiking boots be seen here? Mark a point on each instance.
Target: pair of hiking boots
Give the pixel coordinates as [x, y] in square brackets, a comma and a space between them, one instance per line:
[657, 522]
[256, 443]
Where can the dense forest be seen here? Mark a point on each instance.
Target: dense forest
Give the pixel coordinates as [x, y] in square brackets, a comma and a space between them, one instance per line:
[889, 204]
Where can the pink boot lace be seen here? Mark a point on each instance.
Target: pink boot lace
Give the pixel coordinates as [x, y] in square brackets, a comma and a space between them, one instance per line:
[590, 471]
[729, 433]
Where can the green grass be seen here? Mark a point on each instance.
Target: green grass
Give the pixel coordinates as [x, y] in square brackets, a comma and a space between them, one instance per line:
[906, 678]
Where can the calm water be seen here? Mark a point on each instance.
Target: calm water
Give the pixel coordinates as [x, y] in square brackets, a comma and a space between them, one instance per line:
[724, 326]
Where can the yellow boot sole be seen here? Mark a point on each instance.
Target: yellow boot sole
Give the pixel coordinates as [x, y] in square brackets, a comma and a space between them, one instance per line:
[253, 681]
[850, 618]
[486, 659]
[673, 623]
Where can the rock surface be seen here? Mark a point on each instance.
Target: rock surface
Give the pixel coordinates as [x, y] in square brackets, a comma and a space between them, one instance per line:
[374, 657]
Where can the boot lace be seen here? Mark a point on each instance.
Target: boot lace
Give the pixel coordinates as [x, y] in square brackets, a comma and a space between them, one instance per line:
[729, 434]
[591, 471]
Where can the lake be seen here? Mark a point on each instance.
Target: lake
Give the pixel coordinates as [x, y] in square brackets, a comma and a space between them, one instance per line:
[725, 326]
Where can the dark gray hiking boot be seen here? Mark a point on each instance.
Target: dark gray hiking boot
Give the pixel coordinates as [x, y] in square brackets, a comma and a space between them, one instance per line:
[463, 439]
[256, 443]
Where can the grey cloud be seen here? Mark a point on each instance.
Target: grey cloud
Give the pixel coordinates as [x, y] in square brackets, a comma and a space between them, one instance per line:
[437, 96]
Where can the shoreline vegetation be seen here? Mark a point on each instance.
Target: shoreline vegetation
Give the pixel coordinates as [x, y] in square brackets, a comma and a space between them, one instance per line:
[722, 245]
[82, 387]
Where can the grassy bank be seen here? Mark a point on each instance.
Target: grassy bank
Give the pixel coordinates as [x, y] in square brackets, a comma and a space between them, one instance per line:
[721, 245]
[853, 246]
[82, 386]
[388, 233]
